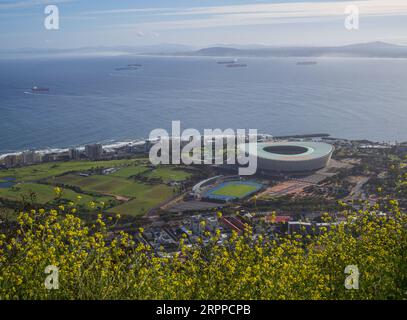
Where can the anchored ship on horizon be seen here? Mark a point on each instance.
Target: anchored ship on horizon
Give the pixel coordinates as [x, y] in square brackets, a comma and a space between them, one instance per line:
[37, 89]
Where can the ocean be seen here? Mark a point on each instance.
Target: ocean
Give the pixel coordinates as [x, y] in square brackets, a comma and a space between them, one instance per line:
[90, 101]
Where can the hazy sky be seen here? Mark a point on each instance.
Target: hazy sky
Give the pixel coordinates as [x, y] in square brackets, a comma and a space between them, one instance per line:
[199, 23]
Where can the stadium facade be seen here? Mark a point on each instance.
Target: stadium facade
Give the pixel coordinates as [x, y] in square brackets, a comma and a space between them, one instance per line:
[289, 157]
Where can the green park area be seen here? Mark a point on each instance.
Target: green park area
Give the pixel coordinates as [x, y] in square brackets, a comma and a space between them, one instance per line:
[167, 174]
[85, 179]
[130, 171]
[146, 198]
[44, 193]
[137, 197]
[45, 170]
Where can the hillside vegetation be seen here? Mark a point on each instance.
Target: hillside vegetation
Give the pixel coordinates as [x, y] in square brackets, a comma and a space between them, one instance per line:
[94, 263]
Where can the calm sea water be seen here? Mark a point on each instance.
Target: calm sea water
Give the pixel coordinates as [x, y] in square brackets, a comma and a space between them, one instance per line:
[91, 102]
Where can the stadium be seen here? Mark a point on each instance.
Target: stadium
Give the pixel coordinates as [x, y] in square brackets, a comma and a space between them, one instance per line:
[289, 157]
[229, 191]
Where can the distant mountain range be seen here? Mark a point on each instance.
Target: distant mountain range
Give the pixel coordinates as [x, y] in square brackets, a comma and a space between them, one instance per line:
[371, 50]
[368, 50]
[97, 51]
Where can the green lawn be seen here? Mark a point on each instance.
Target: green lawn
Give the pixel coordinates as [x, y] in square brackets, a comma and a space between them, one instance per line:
[148, 198]
[168, 174]
[44, 194]
[235, 190]
[102, 184]
[142, 197]
[45, 170]
[130, 171]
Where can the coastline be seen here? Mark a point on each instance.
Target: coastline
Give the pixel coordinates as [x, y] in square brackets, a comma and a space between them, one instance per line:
[112, 145]
[109, 146]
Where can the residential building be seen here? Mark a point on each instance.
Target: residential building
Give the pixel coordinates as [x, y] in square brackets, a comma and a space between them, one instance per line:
[94, 151]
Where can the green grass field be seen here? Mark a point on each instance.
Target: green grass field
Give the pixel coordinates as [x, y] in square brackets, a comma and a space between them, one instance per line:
[102, 184]
[168, 174]
[140, 196]
[147, 198]
[45, 170]
[235, 190]
[143, 197]
[44, 194]
[130, 171]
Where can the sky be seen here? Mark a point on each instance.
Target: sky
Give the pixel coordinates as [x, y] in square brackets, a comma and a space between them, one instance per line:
[202, 23]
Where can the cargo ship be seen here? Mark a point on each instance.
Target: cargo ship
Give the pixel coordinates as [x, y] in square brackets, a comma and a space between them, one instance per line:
[36, 89]
[135, 65]
[306, 63]
[126, 68]
[236, 65]
[227, 62]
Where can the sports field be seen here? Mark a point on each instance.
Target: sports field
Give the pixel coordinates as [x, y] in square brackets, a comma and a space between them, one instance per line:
[233, 190]
[237, 190]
